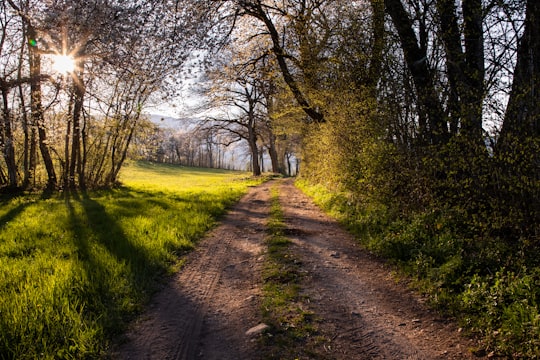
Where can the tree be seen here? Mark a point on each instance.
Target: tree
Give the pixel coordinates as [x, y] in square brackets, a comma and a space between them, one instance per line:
[242, 85]
[521, 120]
[124, 54]
[35, 77]
[432, 118]
[266, 14]
[8, 82]
[242, 113]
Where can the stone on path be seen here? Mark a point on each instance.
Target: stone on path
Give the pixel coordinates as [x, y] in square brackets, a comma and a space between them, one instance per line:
[257, 330]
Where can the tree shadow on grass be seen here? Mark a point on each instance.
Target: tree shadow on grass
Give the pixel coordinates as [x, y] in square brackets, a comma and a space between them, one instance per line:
[117, 273]
[111, 235]
[11, 214]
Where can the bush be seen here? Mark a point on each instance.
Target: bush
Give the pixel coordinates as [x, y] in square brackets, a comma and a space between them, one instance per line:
[504, 309]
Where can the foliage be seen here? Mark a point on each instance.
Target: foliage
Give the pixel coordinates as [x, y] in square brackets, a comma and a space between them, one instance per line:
[504, 308]
[450, 212]
[75, 267]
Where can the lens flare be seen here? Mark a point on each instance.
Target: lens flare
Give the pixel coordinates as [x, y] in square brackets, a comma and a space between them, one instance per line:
[63, 63]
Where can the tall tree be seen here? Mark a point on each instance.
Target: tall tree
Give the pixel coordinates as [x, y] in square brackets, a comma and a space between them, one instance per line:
[36, 77]
[6, 85]
[242, 114]
[465, 67]
[433, 120]
[522, 116]
[267, 14]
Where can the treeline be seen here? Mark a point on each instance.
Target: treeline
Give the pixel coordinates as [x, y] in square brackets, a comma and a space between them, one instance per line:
[71, 128]
[422, 117]
[199, 143]
[186, 146]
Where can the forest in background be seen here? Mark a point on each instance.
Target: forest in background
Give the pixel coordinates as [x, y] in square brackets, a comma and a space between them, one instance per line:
[417, 121]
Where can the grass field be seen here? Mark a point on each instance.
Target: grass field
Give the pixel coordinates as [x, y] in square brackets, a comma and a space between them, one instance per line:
[75, 267]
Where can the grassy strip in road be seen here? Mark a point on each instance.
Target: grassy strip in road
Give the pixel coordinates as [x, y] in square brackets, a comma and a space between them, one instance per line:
[74, 267]
[291, 326]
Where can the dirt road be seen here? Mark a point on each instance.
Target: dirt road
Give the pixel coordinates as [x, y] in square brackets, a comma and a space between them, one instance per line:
[362, 312]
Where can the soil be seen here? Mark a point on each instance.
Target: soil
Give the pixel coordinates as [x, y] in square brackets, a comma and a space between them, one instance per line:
[362, 311]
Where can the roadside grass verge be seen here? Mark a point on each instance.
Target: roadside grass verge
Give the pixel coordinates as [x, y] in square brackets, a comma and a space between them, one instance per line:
[291, 326]
[488, 286]
[74, 268]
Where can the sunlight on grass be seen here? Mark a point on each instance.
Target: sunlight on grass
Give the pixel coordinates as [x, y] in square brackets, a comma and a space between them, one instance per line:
[143, 175]
[74, 267]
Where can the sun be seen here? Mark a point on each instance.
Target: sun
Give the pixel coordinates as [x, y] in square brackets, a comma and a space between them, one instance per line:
[63, 63]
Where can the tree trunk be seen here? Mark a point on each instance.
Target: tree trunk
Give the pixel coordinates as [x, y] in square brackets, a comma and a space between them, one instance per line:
[288, 159]
[471, 123]
[523, 111]
[451, 38]
[435, 129]
[272, 151]
[7, 141]
[81, 170]
[252, 139]
[44, 148]
[261, 158]
[37, 113]
[33, 155]
[67, 140]
[29, 152]
[465, 69]
[274, 159]
[75, 160]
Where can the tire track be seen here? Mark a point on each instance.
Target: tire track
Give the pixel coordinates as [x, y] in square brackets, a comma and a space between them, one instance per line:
[201, 273]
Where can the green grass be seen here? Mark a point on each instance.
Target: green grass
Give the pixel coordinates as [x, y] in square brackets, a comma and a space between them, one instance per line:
[291, 325]
[74, 268]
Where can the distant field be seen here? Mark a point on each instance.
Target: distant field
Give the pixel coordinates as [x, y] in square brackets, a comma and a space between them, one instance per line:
[74, 268]
[172, 178]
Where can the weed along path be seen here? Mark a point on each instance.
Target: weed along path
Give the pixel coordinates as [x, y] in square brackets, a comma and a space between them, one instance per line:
[357, 310]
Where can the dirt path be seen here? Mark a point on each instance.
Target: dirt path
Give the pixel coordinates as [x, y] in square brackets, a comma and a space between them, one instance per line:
[363, 313]
[212, 301]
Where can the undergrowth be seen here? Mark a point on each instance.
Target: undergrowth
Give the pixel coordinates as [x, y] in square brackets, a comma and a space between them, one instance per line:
[74, 268]
[290, 324]
[490, 286]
